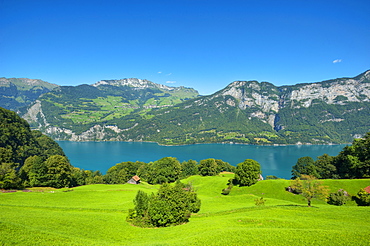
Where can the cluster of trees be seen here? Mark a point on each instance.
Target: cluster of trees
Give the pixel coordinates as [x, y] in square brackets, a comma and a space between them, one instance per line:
[18, 146]
[165, 170]
[171, 205]
[352, 162]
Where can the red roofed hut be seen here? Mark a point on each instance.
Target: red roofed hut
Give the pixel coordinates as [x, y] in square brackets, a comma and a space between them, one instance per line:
[134, 180]
[367, 189]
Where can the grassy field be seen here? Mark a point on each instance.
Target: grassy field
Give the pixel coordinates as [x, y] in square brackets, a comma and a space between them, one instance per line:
[95, 215]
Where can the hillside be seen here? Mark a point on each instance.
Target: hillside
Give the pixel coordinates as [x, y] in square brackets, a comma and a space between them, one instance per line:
[333, 111]
[18, 142]
[20, 92]
[70, 110]
[95, 215]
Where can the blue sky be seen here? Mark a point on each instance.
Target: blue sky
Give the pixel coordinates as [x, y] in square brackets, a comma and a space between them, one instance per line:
[201, 44]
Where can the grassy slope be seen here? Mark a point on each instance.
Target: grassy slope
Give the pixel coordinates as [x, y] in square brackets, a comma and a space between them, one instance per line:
[95, 215]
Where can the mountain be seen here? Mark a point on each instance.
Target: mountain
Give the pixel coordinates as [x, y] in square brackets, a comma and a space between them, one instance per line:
[19, 92]
[71, 110]
[333, 111]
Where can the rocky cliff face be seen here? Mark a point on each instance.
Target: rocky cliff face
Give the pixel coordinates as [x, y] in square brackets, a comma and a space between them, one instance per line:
[339, 91]
[268, 100]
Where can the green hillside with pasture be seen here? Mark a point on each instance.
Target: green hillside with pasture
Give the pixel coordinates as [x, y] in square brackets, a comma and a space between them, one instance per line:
[96, 215]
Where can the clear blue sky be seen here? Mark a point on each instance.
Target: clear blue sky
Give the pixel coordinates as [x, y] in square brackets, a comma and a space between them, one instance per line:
[195, 43]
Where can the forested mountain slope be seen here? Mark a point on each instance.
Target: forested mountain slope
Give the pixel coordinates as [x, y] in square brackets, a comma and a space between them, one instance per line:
[69, 111]
[19, 92]
[333, 111]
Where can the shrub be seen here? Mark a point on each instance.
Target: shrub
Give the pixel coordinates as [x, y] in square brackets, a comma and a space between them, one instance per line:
[260, 201]
[271, 177]
[247, 173]
[362, 198]
[227, 190]
[338, 198]
[172, 205]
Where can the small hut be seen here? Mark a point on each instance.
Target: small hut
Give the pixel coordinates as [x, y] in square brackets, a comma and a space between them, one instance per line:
[134, 180]
[367, 189]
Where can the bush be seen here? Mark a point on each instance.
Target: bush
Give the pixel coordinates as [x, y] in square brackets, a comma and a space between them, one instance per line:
[271, 177]
[247, 173]
[362, 198]
[338, 198]
[172, 205]
[227, 190]
[260, 201]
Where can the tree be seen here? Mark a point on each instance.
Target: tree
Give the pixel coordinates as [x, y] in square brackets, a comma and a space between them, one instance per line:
[188, 168]
[354, 161]
[116, 175]
[325, 168]
[19, 144]
[59, 171]
[224, 166]
[141, 203]
[8, 176]
[47, 145]
[309, 187]
[78, 177]
[305, 165]
[122, 172]
[34, 171]
[172, 205]
[247, 173]
[165, 170]
[208, 167]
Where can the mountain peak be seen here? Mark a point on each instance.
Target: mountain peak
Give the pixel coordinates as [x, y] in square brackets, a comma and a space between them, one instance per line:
[25, 83]
[133, 82]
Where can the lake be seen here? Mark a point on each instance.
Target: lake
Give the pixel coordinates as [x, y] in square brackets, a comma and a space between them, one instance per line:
[274, 160]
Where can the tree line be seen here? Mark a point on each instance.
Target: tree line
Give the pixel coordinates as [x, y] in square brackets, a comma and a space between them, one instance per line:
[353, 162]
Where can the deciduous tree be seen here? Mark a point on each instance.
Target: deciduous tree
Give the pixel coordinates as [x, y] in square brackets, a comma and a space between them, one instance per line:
[59, 171]
[208, 167]
[309, 187]
[165, 170]
[172, 205]
[247, 173]
[304, 166]
[189, 168]
[325, 168]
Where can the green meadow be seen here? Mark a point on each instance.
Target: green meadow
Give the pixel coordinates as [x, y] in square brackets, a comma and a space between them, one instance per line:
[96, 215]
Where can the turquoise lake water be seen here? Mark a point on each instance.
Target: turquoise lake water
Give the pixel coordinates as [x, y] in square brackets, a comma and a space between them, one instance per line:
[274, 160]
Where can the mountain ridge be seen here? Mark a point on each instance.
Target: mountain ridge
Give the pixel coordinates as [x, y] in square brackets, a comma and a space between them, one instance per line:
[251, 112]
[19, 92]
